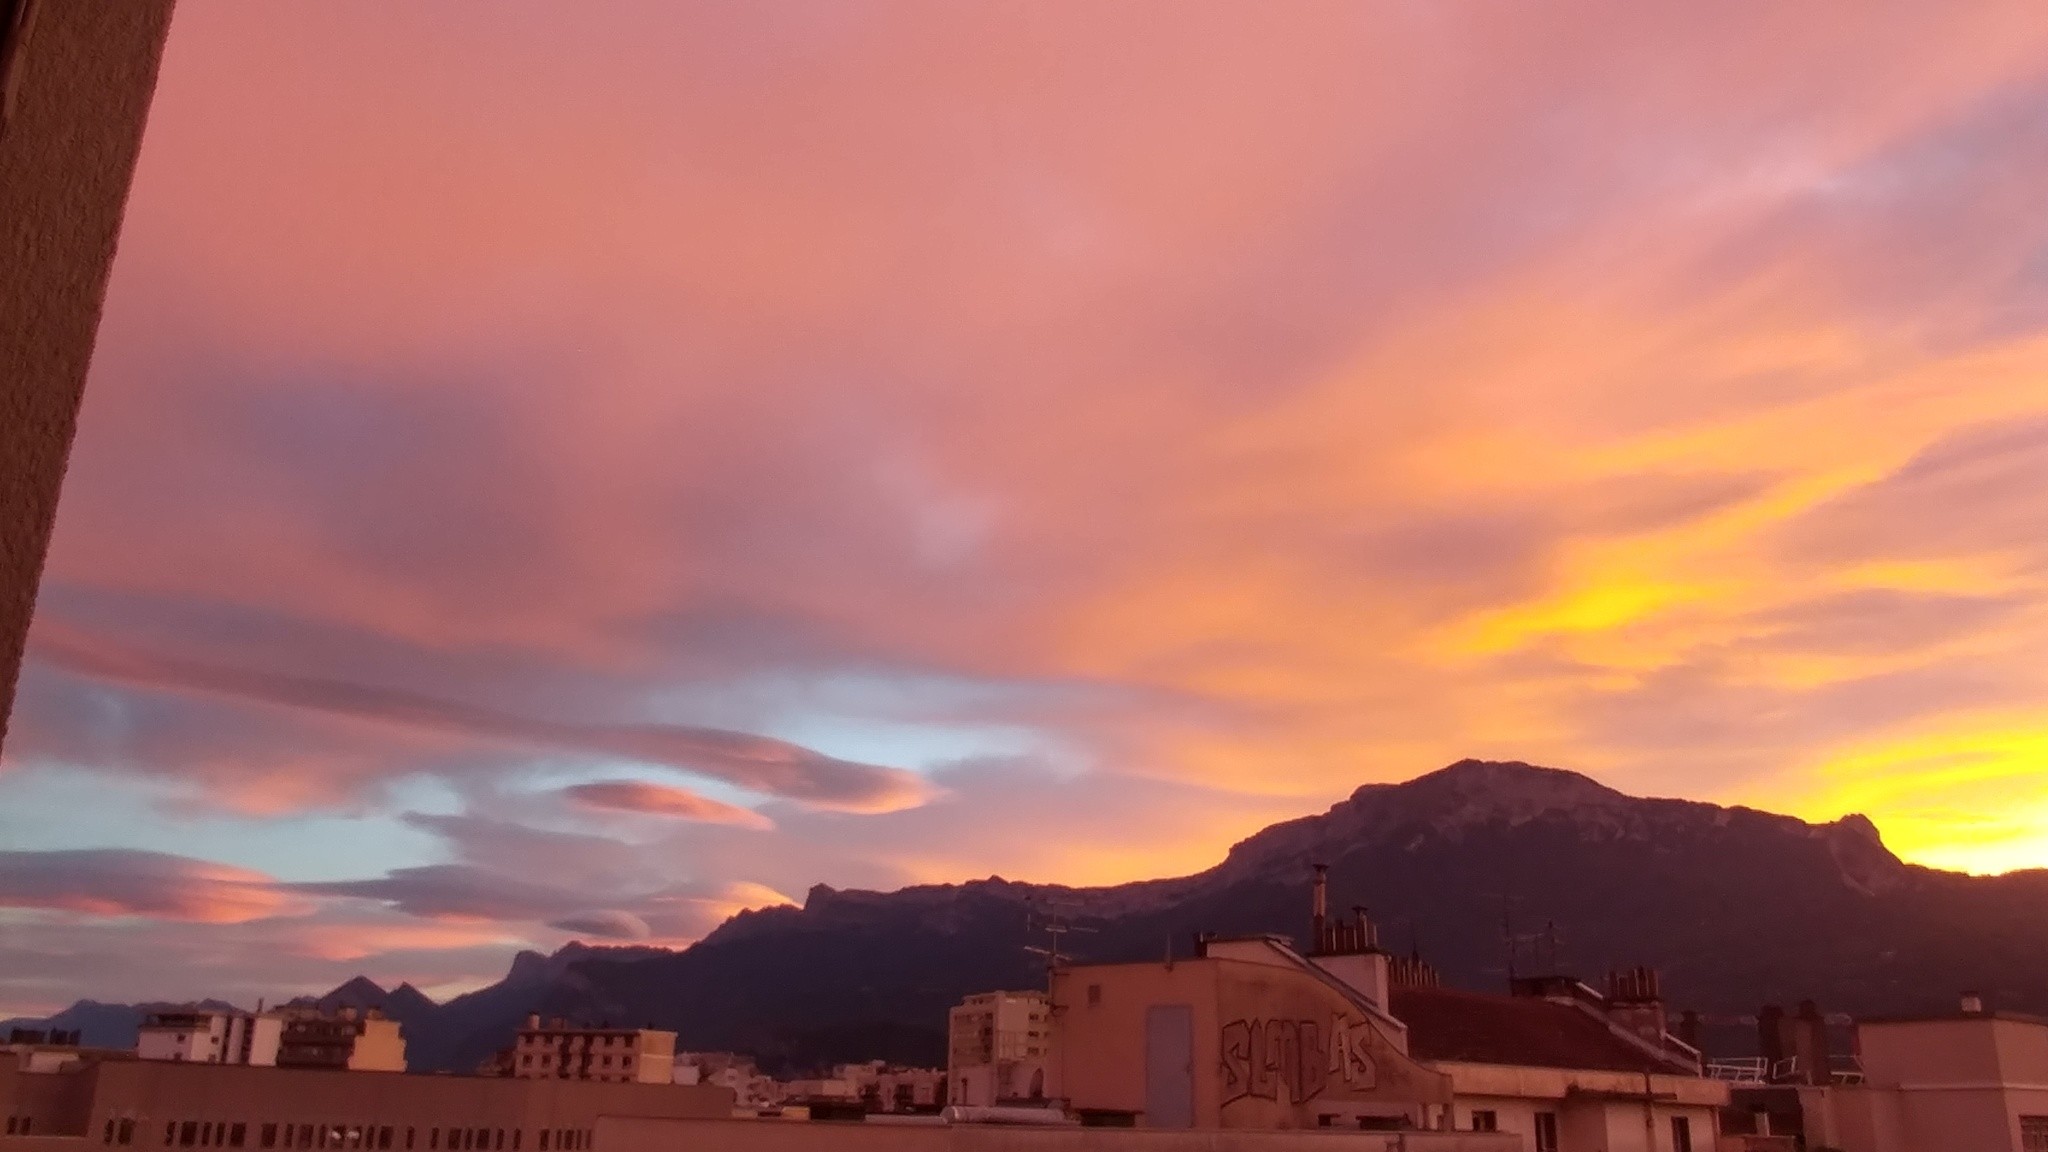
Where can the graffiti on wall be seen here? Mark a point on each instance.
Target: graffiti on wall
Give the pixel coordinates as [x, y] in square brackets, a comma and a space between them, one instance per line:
[1263, 1057]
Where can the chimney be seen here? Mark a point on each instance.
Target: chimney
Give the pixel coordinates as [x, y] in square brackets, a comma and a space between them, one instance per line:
[1972, 1004]
[1810, 1044]
[1770, 1037]
[1319, 909]
[533, 1021]
[1411, 972]
[1635, 1002]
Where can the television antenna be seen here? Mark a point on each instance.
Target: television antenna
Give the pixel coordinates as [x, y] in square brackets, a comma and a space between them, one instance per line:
[1052, 921]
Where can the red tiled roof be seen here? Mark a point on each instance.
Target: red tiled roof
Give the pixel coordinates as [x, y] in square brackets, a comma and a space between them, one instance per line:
[1484, 1028]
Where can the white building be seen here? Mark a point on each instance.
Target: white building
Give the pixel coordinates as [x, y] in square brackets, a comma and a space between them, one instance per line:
[751, 1090]
[210, 1036]
[558, 1051]
[999, 1044]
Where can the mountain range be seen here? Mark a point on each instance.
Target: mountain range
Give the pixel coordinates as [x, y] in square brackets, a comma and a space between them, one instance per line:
[1482, 868]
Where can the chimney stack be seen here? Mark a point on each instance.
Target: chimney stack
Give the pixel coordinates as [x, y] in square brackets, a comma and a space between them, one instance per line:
[1810, 1044]
[1770, 1037]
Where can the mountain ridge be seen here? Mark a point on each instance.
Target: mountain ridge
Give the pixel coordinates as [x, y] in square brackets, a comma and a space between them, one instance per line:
[1737, 905]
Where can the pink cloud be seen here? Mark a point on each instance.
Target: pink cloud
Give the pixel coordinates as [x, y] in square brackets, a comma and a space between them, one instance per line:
[122, 882]
[662, 800]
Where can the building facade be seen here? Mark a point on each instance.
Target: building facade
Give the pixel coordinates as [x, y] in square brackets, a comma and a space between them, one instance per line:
[350, 1040]
[75, 86]
[1563, 1067]
[208, 1036]
[556, 1050]
[1974, 1079]
[1254, 1035]
[150, 1105]
[998, 1048]
[1248, 1035]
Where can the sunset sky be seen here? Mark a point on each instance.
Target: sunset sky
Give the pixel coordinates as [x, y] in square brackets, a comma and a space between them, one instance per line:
[573, 471]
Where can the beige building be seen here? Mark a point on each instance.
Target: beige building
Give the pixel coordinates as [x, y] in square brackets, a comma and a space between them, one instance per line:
[1252, 1034]
[1975, 1081]
[556, 1050]
[1564, 1067]
[998, 1045]
[149, 1104]
[209, 1036]
[356, 1041]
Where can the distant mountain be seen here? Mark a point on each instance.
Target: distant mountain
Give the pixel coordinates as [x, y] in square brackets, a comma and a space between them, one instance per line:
[463, 1032]
[415, 1012]
[102, 1025]
[1737, 908]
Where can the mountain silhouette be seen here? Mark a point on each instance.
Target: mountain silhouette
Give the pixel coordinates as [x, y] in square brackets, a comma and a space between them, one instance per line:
[1480, 867]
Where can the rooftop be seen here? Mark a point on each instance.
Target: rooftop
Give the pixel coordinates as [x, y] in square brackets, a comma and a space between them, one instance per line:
[1485, 1028]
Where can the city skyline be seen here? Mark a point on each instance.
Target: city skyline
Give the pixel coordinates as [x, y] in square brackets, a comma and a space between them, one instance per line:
[550, 478]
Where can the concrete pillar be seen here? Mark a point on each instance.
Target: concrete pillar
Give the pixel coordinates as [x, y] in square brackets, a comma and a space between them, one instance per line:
[75, 82]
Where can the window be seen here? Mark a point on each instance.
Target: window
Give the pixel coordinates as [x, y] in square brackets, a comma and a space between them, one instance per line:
[1094, 995]
[543, 1140]
[305, 1135]
[266, 1136]
[170, 1131]
[1546, 1132]
[433, 1139]
[109, 1138]
[515, 1139]
[408, 1140]
[2034, 1134]
[126, 1133]
[188, 1133]
[1485, 1120]
[498, 1140]
[1681, 1134]
[237, 1134]
[384, 1139]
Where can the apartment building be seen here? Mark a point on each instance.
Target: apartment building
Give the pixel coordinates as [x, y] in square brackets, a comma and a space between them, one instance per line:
[998, 1047]
[556, 1050]
[210, 1036]
[353, 1040]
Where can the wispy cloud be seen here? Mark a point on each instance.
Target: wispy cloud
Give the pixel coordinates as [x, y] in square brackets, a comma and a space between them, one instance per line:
[759, 763]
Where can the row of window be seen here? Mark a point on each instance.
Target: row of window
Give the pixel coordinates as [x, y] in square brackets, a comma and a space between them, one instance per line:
[362, 1138]
[18, 1125]
[526, 1061]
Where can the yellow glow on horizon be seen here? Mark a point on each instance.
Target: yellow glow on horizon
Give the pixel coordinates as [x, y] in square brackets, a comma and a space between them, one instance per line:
[1966, 796]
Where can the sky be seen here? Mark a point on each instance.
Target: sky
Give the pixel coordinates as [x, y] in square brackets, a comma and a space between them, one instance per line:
[575, 471]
